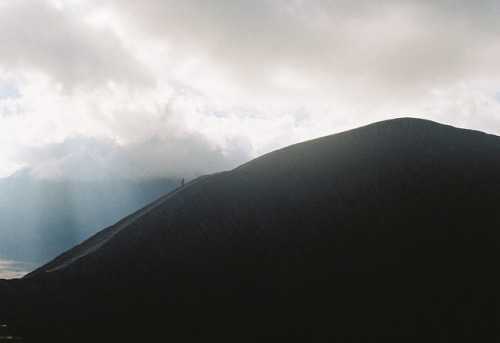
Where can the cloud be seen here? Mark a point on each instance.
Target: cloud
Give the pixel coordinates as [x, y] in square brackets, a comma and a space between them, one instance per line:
[376, 47]
[14, 269]
[342, 61]
[36, 36]
[232, 80]
[82, 158]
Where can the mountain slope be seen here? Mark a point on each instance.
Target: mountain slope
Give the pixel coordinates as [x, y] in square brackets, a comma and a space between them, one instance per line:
[63, 213]
[387, 232]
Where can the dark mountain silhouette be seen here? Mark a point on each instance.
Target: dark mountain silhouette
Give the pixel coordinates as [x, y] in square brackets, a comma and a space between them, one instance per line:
[388, 232]
[40, 219]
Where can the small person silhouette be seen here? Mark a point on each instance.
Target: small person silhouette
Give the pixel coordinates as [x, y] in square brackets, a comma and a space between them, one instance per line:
[182, 183]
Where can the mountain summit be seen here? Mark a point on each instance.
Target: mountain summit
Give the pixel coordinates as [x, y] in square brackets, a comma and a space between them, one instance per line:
[388, 232]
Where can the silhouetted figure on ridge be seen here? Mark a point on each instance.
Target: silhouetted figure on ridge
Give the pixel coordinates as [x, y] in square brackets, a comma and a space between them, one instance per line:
[182, 183]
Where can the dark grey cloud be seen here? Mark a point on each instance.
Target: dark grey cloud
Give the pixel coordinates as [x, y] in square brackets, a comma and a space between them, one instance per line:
[83, 158]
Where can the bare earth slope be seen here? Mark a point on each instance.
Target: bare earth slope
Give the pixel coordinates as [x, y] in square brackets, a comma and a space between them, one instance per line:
[389, 232]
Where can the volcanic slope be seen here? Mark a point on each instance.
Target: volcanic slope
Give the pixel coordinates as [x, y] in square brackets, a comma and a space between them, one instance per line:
[389, 232]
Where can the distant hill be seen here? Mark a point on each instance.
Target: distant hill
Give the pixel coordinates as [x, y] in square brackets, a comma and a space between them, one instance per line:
[40, 219]
[389, 232]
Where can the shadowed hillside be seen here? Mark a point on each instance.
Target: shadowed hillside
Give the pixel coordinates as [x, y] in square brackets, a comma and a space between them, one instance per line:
[389, 232]
[64, 213]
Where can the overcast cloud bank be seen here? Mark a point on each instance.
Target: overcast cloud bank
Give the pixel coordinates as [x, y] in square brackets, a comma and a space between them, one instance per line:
[148, 88]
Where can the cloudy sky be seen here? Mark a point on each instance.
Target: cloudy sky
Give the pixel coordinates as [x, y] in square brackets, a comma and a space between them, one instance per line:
[147, 88]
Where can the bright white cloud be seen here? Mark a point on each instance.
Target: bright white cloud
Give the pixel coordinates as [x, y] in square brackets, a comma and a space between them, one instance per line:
[179, 87]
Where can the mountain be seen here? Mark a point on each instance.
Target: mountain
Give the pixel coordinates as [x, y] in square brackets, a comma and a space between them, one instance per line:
[389, 232]
[40, 219]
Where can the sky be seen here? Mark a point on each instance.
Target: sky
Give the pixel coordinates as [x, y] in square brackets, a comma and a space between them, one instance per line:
[14, 269]
[91, 89]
